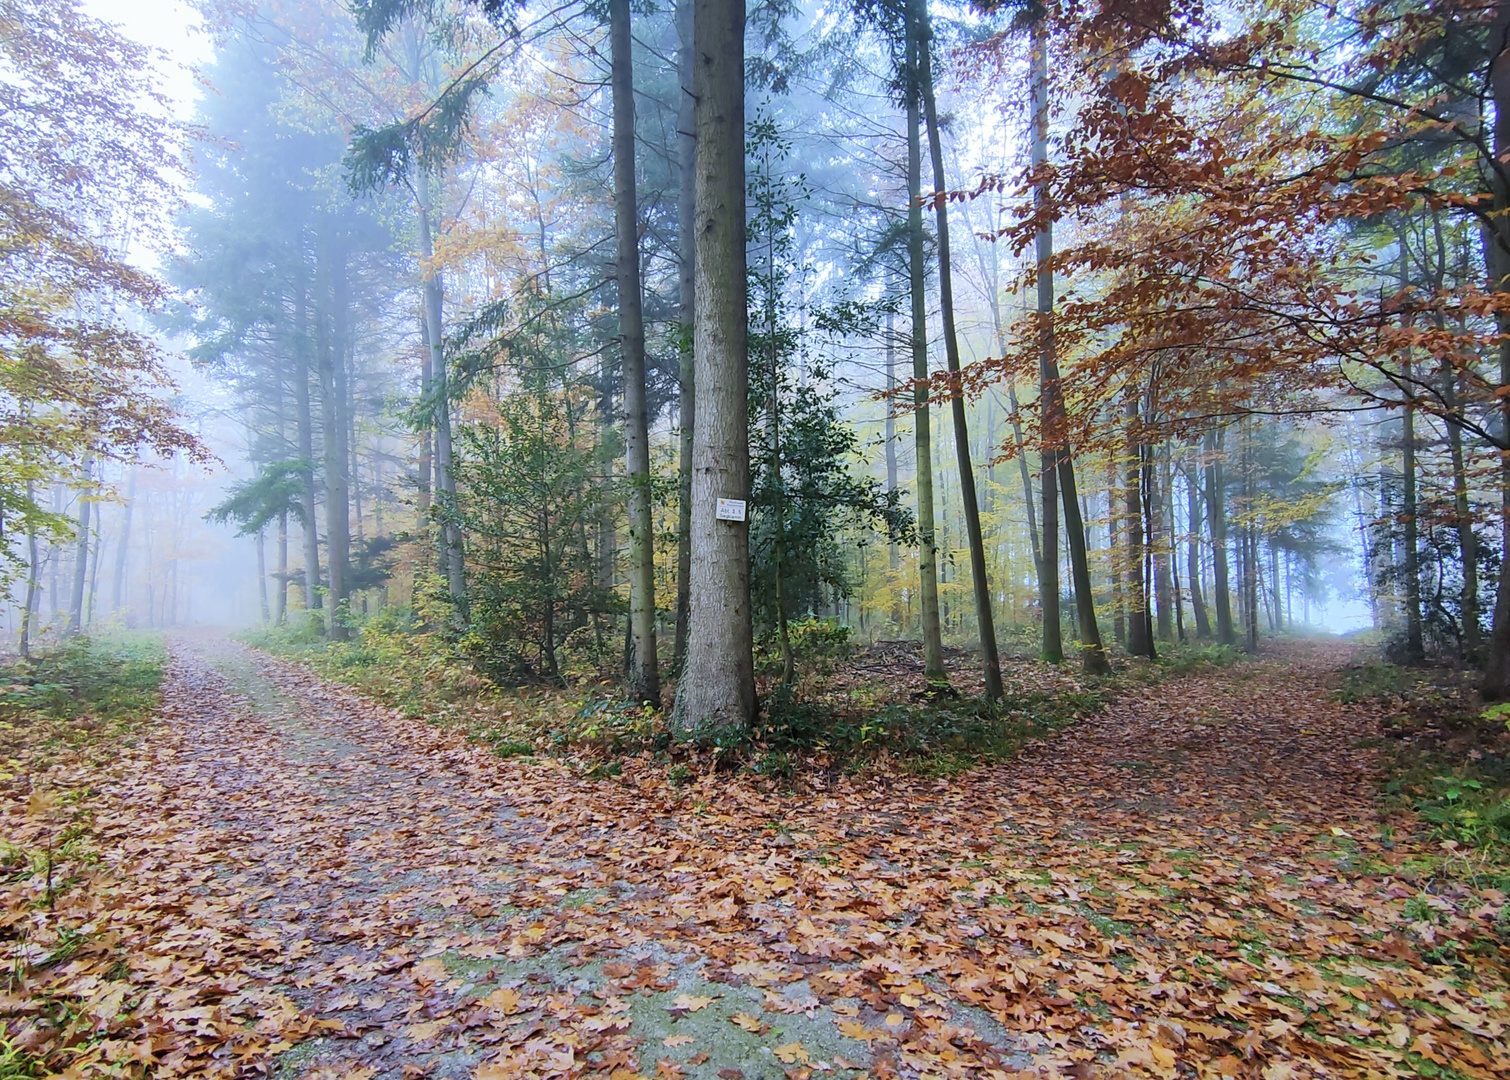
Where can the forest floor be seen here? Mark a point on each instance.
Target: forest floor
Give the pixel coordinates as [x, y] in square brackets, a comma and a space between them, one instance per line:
[288, 879]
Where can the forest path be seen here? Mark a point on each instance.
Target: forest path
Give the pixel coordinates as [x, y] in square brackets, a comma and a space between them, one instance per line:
[1196, 881]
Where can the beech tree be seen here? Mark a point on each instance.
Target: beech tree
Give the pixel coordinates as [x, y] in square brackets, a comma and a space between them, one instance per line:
[85, 150]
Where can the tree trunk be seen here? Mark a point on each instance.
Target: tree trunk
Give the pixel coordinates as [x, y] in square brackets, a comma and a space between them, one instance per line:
[1463, 512]
[1048, 365]
[426, 462]
[118, 586]
[1173, 525]
[1250, 546]
[1056, 434]
[81, 555]
[1140, 626]
[1415, 649]
[33, 556]
[1092, 652]
[1216, 517]
[453, 563]
[1193, 564]
[644, 669]
[686, 289]
[928, 597]
[330, 336]
[1157, 471]
[980, 585]
[717, 687]
[280, 604]
[991, 275]
[895, 555]
[1496, 684]
[305, 425]
[262, 576]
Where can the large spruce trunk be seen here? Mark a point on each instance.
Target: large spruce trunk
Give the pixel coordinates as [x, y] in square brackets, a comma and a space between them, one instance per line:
[717, 685]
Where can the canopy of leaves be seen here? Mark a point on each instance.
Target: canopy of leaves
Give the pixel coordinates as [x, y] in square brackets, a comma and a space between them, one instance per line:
[83, 160]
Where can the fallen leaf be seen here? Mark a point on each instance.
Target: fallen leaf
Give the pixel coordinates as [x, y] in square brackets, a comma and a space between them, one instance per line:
[504, 999]
[752, 1024]
[791, 1053]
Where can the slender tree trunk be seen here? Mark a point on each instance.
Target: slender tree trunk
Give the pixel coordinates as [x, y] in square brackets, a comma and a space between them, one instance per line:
[644, 669]
[980, 585]
[1216, 516]
[686, 287]
[1157, 471]
[94, 568]
[928, 597]
[1463, 512]
[453, 557]
[990, 274]
[895, 555]
[33, 566]
[1140, 626]
[1025, 475]
[54, 587]
[717, 687]
[426, 462]
[1279, 611]
[1193, 549]
[122, 553]
[262, 576]
[1048, 365]
[1250, 545]
[280, 603]
[1415, 648]
[305, 425]
[1092, 652]
[1496, 684]
[81, 555]
[1054, 422]
[1173, 525]
[330, 337]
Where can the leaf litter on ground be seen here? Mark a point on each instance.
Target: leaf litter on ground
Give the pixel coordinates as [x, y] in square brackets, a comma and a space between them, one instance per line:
[1196, 881]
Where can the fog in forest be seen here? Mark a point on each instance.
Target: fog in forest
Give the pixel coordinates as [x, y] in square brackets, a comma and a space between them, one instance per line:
[384, 286]
[738, 539]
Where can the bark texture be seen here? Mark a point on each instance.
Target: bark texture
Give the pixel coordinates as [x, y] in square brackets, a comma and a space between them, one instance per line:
[644, 670]
[928, 588]
[980, 586]
[717, 685]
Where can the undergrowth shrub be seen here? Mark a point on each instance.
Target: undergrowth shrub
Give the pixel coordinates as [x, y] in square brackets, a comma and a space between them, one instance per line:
[1192, 659]
[1378, 681]
[422, 673]
[939, 736]
[390, 657]
[1444, 756]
